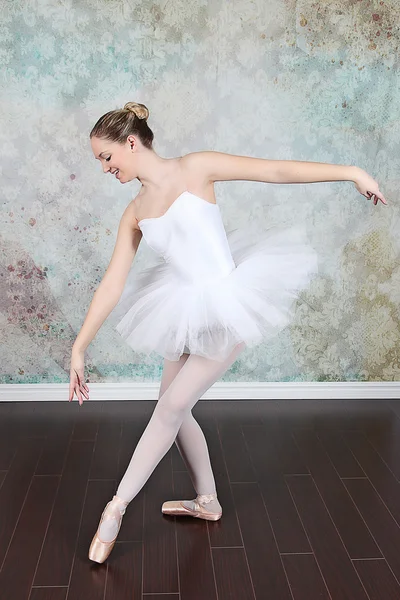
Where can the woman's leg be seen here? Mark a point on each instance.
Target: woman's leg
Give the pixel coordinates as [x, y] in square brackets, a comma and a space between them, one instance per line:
[190, 439]
[191, 442]
[192, 381]
[192, 446]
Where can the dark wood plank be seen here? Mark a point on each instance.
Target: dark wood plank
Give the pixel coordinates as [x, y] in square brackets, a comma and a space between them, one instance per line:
[288, 529]
[232, 574]
[270, 469]
[341, 457]
[15, 487]
[265, 564]
[237, 459]
[105, 459]
[286, 453]
[378, 579]
[21, 559]
[124, 574]
[29, 421]
[224, 532]
[178, 463]
[56, 445]
[8, 448]
[57, 555]
[8, 435]
[160, 564]
[196, 575]
[352, 529]
[384, 528]
[305, 578]
[47, 414]
[124, 577]
[161, 596]
[386, 441]
[86, 420]
[243, 412]
[333, 415]
[273, 452]
[377, 471]
[88, 579]
[366, 414]
[48, 593]
[2, 477]
[38, 438]
[337, 569]
[299, 414]
[394, 405]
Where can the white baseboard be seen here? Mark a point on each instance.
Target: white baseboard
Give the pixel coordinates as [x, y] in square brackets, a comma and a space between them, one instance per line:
[355, 390]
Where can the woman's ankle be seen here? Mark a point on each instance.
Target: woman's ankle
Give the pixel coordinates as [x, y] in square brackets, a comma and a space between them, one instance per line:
[120, 500]
[209, 501]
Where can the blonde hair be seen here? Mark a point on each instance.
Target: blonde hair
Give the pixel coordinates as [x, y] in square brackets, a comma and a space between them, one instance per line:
[116, 125]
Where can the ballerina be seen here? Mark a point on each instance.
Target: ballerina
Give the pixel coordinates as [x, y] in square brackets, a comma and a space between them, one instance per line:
[213, 294]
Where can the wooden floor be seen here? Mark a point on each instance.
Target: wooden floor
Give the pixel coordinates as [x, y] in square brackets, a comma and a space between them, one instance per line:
[310, 493]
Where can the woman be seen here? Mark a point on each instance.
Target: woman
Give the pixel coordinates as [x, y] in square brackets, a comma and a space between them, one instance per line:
[213, 294]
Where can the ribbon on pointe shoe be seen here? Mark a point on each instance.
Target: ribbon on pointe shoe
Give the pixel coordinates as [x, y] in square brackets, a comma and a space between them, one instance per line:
[100, 548]
[114, 510]
[202, 499]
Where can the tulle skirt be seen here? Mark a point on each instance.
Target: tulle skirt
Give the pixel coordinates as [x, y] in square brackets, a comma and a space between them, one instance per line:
[163, 314]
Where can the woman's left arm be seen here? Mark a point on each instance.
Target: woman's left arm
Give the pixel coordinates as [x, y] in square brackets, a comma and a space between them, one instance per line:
[291, 171]
[220, 166]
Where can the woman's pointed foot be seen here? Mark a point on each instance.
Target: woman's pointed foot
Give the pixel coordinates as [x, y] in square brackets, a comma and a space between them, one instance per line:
[200, 507]
[108, 529]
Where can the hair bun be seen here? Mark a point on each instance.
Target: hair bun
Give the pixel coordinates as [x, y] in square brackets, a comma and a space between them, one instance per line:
[140, 110]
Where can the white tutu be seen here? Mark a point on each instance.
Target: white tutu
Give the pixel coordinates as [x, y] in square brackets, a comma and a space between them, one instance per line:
[165, 314]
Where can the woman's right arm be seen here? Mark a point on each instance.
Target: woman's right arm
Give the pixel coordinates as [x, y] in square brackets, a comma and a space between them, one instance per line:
[110, 289]
[107, 294]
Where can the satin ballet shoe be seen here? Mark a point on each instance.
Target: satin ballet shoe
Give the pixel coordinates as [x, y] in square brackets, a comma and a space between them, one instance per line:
[176, 507]
[99, 550]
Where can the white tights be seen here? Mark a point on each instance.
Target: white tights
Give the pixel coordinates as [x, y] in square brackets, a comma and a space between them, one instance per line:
[183, 383]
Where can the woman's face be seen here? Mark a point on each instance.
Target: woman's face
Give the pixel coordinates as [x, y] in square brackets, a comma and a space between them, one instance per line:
[117, 159]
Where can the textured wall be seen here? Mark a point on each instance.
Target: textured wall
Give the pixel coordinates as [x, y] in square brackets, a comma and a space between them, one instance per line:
[280, 79]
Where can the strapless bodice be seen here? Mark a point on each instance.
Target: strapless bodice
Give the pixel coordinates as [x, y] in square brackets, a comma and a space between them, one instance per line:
[190, 236]
[213, 289]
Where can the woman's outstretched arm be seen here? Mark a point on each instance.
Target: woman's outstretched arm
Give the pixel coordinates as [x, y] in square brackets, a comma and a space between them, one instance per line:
[219, 166]
[297, 171]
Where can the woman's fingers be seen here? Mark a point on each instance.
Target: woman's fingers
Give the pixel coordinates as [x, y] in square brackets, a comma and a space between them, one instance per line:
[83, 389]
[77, 378]
[84, 392]
[78, 394]
[78, 389]
[376, 197]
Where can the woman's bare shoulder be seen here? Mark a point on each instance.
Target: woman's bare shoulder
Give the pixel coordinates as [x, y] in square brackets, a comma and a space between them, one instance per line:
[192, 160]
[194, 164]
[129, 214]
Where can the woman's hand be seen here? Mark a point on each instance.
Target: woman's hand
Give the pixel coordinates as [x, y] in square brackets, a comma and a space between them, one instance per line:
[368, 187]
[77, 377]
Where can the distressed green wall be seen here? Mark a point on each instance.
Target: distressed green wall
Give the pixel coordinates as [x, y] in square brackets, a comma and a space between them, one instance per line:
[280, 79]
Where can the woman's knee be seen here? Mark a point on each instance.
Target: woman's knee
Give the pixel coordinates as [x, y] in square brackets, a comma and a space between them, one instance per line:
[171, 410]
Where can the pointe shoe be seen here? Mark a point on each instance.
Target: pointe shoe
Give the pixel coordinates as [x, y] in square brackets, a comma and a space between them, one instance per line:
[99, 550]
[176, 507]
